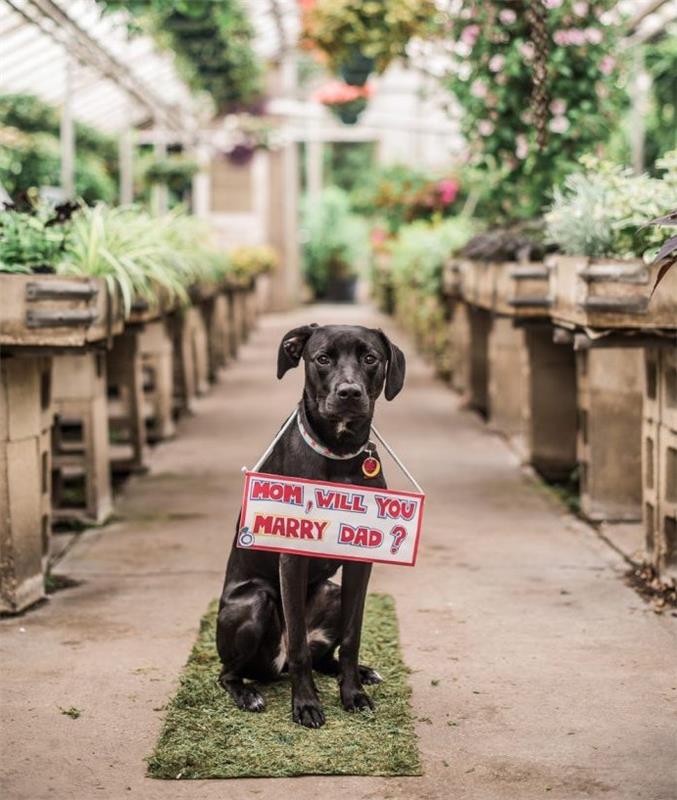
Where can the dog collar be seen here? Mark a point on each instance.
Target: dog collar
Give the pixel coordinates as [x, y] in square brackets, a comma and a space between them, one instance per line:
[321, 449]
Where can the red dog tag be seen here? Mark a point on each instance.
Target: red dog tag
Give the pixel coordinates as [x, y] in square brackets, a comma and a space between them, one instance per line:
[371, 467]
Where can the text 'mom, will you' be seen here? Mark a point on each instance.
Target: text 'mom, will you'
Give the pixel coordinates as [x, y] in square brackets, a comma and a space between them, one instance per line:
[330, 520]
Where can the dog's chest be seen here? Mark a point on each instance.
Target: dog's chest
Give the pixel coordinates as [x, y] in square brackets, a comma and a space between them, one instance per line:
[319, 569]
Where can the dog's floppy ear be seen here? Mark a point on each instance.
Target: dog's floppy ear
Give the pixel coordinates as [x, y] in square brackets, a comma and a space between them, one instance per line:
[291, 347]
[395, 369]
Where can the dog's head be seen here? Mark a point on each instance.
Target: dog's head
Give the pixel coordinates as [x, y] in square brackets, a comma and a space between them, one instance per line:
[347, 367]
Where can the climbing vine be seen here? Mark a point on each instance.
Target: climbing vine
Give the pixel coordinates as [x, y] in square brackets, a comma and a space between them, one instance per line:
[539, 84]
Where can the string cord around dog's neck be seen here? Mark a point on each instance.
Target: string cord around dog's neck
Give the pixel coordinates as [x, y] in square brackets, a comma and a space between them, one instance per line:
[295, 415]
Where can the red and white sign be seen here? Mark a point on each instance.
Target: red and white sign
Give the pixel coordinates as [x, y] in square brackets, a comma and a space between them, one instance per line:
[330, 520]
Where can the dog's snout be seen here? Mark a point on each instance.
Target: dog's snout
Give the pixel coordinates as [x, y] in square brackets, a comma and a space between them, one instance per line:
[349, 391]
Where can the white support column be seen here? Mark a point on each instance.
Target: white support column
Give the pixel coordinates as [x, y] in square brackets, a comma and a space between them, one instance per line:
[292, 260]
[314, 166]
[159, 201]
[126, 159]
[202, 201]
[639, 94]
[67, 132]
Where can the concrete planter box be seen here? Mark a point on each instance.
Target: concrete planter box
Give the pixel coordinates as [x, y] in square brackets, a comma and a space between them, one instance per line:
[659, 454]
[25, 480]
[508, 288]
[57, 311]
[609, 293]
[478, 281]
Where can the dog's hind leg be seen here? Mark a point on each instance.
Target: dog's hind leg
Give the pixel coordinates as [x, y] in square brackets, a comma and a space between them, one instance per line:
[324, 633]
[247, 623]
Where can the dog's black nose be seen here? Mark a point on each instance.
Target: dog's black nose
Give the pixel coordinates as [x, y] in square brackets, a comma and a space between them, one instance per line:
[349, 391]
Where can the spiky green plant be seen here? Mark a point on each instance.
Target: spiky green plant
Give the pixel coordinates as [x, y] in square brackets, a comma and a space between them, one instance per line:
[129, 249]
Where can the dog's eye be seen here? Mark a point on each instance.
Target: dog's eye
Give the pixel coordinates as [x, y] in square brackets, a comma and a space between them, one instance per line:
[323, 361]
[370, 359]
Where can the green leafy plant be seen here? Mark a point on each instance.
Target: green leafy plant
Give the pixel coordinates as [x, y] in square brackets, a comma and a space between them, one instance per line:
[661, 123]
[212, 40]
[495, 58]
[30, 154]
[421, 249]
[603, 209]
[335, 239]
[29, 240]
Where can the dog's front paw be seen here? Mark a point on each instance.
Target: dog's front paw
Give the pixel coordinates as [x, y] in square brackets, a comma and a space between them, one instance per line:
[308, 713]
[368, 676]
[249, 699]
[356, 700]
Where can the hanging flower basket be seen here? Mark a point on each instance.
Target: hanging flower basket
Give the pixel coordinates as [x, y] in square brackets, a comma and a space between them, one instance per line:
[356, 70]
[344, 101]
[245, 134]
[241, 154]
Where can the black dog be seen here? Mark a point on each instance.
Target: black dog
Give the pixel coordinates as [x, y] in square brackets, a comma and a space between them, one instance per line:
[281, 611]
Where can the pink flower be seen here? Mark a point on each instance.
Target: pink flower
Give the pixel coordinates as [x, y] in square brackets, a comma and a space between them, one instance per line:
[607, 65]
[594, 35]
[573, 36]
[507, 16]
[558, 107]
[478, 89]
[378, 236]
[580, 9]
[448, 190]
[522, 149]
[486, 128]
[496, 63]
[528, 51]
[559, 125]
[553, 3]
[470, 35]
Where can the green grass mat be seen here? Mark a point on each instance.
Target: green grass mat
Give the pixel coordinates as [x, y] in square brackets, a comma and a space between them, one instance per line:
[205, 736]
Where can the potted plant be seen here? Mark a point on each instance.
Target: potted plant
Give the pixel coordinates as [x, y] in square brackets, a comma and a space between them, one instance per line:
[335, 246]
[344, 101]
[599, 223]
[358, 37]
[245, 134]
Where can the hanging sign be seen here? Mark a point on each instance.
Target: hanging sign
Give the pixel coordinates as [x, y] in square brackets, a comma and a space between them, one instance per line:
[330, 520]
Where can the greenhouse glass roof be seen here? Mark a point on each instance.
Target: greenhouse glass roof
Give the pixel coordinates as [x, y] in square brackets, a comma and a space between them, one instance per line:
[118, 80]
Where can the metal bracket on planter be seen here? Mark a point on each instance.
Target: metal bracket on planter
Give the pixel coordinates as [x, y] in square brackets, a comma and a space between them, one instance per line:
[616, 305]
[529, 273]
[536, 302]
[60, 318]
[61, 290]
[615, 273]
